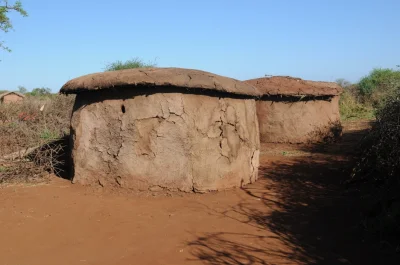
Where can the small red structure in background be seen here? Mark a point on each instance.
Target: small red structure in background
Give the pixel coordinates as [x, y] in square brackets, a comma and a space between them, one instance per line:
[11, 97]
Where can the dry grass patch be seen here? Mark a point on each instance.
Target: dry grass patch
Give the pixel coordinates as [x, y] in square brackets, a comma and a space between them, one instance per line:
[33, 137]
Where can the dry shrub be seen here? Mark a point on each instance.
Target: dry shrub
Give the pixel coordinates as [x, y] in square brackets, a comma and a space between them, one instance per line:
[361, 100]
[329, 133]
[30, 136]
[352, 105]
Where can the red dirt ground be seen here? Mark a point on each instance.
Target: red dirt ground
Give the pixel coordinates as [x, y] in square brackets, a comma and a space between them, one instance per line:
[297, 213]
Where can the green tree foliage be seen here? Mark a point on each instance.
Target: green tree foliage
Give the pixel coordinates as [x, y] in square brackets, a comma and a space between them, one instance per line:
[22, 89]
[5, 22]
[379, 80]
[129, 64]
[41, 91]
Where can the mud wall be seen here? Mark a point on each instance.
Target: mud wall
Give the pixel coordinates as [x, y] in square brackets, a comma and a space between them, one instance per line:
[12, 98]
[296, 121]
[175, 141]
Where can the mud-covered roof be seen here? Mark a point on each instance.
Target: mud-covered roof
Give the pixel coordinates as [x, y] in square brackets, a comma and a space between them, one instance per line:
[159, 77]
[290, 86]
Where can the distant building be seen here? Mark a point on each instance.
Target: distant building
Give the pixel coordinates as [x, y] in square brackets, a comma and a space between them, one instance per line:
[11, 97]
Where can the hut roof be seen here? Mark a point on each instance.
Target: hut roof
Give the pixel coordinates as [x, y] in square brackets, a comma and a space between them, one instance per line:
[11, 92]
[290, 86]
[159, 77]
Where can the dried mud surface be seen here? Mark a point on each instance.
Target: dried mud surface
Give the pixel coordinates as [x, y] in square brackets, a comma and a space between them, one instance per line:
[297, 121]
[290, 86]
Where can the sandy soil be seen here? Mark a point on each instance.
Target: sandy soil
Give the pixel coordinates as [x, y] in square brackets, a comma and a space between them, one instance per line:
[297, 213]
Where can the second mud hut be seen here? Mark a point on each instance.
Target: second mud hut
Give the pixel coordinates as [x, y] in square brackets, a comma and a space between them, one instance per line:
[293, 110]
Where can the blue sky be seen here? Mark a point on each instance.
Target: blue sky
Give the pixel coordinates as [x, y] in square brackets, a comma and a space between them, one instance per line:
[311, 39]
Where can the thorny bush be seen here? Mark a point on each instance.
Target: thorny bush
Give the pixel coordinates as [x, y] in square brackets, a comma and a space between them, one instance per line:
[30, 136]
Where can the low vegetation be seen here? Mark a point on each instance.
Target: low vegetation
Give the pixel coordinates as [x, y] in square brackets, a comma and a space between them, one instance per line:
[378, 170]
[361, 100]
[129, 64]
[28, 133]
[377, 173]
[351, 107]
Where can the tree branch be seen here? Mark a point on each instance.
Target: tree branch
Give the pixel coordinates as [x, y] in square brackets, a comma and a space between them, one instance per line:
[5, 22]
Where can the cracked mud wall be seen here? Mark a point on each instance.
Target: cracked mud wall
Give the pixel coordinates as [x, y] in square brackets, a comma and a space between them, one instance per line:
[295, 122]
[176, 141]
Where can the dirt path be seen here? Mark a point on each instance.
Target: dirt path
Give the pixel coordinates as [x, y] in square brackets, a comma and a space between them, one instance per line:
[297, 213]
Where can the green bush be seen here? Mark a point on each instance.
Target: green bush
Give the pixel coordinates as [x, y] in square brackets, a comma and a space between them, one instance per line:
[40, 92]
[384, 140]
[361, 100]
[129, 64]
[379, 167]
[379, 84]
[49, 135]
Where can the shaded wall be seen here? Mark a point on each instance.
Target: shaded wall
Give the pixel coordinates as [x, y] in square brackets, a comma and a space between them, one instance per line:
[295, 120]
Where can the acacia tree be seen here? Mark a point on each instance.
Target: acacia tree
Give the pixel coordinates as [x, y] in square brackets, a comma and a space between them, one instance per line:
[22, 89]
[41, 91]
[5, 22]
[343, 82]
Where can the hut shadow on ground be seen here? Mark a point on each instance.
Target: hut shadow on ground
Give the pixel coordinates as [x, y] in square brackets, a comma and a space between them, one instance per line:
[306, 208]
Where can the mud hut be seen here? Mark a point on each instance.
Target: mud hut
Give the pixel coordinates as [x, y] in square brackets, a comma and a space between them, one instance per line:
[11, 97]
[163, 128]
[292, 110]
